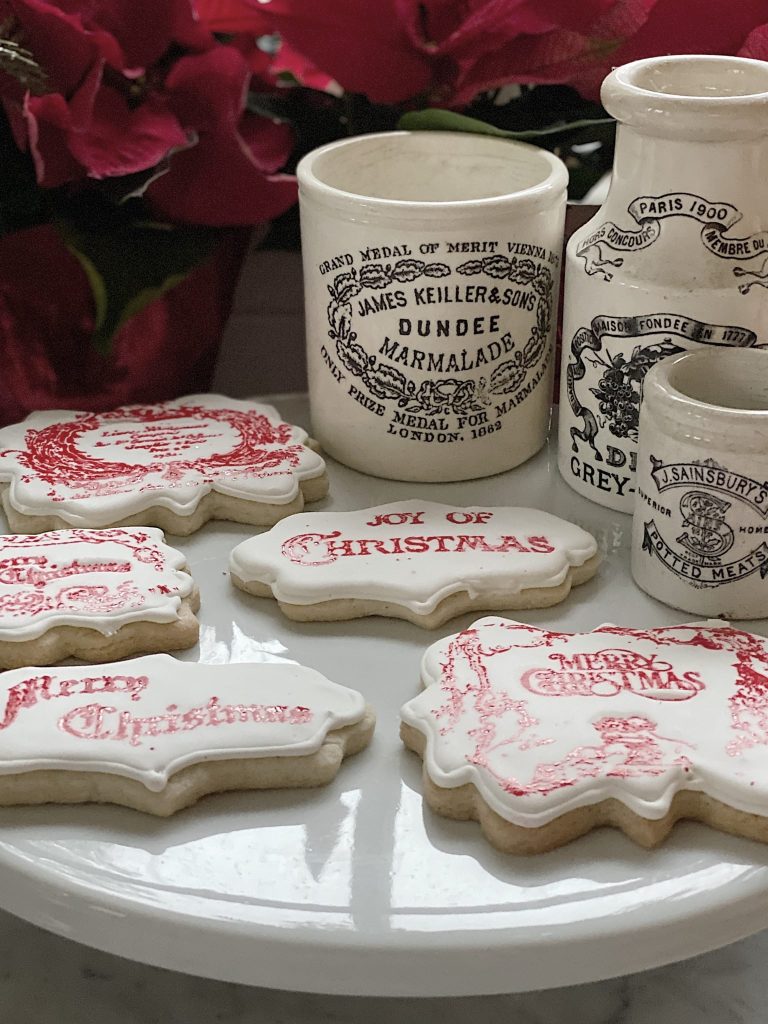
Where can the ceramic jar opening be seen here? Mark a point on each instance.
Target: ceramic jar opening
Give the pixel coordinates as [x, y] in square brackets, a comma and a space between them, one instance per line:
[435, 176]
[431, 270]
[700, 531]
[718, 397]
[705, 97]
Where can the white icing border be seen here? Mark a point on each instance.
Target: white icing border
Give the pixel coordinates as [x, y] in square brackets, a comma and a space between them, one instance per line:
[157, 608]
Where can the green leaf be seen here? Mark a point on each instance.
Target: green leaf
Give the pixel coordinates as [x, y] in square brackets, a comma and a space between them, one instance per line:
[436, 120]
[131, 263]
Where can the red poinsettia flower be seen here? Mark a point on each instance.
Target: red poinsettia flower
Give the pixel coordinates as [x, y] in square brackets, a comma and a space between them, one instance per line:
[447, 51]
[116, 99]
[230, 175]
[439, 50]
[673, 26]
[558, 54]
[243, 19]
[756, 44]
[652, 28]
[47, 320]
[233, 16]
[95, 116]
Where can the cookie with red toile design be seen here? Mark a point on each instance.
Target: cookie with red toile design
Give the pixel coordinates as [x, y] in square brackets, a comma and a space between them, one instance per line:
[93, 595]
[542, 736]
[173, 464]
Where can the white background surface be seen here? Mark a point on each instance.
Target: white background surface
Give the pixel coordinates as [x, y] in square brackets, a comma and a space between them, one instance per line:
[355, 888]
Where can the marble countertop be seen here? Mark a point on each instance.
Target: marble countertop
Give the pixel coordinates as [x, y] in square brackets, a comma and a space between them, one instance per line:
[45, 979]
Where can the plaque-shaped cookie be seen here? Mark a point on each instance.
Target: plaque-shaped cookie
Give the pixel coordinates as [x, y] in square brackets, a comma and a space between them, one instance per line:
[156, 734]
[415, 560]
[94, 595]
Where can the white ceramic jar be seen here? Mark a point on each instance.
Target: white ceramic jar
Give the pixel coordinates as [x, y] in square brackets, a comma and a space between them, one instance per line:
[700, 530]
[676, 258]
[431, 275]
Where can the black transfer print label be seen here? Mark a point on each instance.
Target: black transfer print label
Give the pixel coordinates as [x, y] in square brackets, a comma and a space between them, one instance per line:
[608, 245]
[604, 382]
[441, 340]
[695, 527]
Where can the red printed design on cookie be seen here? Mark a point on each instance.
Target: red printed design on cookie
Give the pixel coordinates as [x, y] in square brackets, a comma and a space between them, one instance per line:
[148, 718]
[415, 554]
[99, 468]
[101, 579]
[542, 722]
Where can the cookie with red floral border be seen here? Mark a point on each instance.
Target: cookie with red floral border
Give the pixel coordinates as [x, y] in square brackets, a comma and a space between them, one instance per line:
[416, 560]
[93, 594]
[157, 734]
[542, 736]
[174, 465]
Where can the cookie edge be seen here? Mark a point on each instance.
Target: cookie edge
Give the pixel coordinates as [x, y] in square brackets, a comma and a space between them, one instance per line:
[90, 645]
[465, 803]
[452, 606]
[212, 506]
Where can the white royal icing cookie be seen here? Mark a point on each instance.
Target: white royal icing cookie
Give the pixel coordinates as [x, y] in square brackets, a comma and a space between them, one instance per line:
[543, 723]
[149, 719]
[68, 468]
[102, 580]
[415, 559]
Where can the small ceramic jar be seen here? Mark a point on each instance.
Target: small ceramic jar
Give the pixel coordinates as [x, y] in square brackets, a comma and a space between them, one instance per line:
[700, 532]
[431, 274]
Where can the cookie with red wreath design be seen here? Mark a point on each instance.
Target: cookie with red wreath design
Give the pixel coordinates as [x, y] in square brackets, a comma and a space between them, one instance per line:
[543, 736]
[93, 595]
[174, 465]
[157, 734]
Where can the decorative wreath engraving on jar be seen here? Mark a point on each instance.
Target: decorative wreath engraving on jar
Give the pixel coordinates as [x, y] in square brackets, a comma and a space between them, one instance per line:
[648, 212]
[604, 383]
[701, 537]
[440, 390]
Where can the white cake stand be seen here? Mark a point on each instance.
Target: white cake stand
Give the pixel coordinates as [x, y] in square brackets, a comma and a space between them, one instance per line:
[357, 888]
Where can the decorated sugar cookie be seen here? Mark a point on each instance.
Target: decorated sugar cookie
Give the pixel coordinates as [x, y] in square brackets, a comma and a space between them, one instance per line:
[92, 594]
[174, 465]
[414, 560]
[543, 736]
[156, 734]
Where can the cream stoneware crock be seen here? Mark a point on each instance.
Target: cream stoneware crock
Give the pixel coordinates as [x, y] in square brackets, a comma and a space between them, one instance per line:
[700, 530]
[431, 273]
[676, 259]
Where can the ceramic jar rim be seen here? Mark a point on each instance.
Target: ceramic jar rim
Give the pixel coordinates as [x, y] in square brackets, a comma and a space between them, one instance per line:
[545, 193]
[667, 402]
[662, 96]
